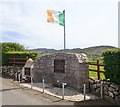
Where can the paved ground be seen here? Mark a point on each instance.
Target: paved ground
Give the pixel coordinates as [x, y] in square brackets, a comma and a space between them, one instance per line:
[69, 93]
[13, 94]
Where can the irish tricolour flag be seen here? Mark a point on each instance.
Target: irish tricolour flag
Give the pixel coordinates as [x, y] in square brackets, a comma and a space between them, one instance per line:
[55, 17]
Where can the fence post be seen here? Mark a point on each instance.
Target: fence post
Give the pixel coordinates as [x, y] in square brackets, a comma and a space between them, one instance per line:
[63, 91]
[101, 92]
[84, 91]
[98, 70]
[43, 85]
[19, 77]
[31, 82]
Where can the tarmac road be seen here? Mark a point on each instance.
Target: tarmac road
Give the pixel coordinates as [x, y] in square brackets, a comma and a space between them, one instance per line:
[13, 94]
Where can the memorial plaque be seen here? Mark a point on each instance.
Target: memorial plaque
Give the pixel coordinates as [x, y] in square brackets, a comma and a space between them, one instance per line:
[59, 65]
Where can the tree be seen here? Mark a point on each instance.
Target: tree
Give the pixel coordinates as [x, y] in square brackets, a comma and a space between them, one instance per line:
[11, 47]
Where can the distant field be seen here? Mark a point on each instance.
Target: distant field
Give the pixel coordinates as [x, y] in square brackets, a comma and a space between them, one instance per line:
[93, 74]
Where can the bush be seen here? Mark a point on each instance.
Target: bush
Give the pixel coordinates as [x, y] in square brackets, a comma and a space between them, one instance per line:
[8, 55]
[11, 47]
[111, 59]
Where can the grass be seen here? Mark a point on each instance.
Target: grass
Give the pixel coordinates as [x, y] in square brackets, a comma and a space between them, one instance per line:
[93, 74]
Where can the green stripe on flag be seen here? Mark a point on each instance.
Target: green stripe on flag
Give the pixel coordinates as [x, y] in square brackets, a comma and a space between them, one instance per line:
[61, 18]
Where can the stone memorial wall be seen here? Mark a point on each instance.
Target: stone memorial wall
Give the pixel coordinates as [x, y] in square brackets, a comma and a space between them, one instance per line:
[72, 69]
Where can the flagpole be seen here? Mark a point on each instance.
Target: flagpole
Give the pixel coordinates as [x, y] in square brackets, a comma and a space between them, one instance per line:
[64, 32]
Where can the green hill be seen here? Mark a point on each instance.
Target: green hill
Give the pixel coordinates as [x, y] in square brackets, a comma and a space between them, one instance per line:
[92, 51]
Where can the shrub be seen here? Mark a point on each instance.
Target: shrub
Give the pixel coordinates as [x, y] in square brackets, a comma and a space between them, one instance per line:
[111, 59]
[11, 47]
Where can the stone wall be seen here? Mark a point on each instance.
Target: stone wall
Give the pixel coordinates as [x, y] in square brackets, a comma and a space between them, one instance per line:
[76, 69]
[111, 91]
[9, 70]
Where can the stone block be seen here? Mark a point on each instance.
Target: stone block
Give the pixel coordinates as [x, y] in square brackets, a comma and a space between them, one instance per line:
[107, 82]
[110, 94]
[115, 92]
[98, 85]
[97, 91]
[106, 93]
[111, 89]
[106, 86]
[113, 85]
[95, 86]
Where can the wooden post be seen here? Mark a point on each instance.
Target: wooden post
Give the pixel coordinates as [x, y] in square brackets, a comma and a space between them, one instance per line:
[98, 70]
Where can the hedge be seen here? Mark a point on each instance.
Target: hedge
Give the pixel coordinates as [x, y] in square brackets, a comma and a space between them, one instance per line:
[111, 59]
[6, 56]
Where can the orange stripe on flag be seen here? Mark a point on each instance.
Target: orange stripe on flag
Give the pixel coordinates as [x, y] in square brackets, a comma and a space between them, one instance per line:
[50, 17]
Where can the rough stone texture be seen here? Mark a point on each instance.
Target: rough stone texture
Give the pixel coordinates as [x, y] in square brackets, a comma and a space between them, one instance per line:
[9, 70]
[111, 94]
[111, 91]
[76, 69]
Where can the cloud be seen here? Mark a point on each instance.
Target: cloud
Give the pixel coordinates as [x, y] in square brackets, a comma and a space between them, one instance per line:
[87, 23]
[25, 19]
